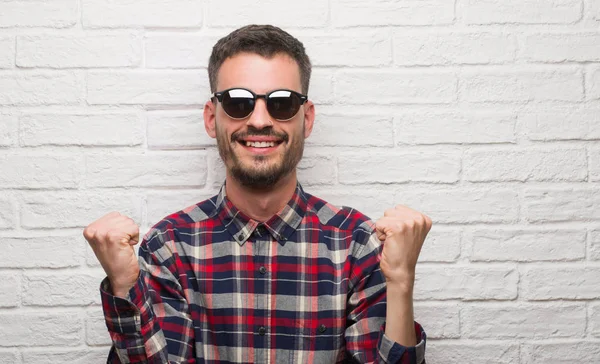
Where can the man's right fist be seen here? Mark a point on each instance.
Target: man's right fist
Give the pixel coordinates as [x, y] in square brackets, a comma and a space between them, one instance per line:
[112, 238]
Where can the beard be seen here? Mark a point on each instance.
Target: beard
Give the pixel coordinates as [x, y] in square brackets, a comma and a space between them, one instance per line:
[261, 173]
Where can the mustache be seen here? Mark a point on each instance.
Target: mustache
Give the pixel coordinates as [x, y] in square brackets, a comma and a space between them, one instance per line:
[268, 132]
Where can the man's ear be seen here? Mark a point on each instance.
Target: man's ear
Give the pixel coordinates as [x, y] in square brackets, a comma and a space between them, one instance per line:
[309, 118]
[210, 117]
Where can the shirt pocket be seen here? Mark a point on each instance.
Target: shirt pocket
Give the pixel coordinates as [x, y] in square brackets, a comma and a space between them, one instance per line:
[321, 344]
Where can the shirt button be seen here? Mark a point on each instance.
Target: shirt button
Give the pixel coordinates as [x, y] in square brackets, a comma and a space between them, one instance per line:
[261, 230]
[262, 331]
[322, 328]
[262, 270]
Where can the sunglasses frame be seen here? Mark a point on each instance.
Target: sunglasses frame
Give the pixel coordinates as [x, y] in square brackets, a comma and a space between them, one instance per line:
[220, 94]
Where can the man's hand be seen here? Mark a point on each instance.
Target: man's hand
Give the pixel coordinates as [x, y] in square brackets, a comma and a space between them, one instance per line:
[402, 231]
[112, 238]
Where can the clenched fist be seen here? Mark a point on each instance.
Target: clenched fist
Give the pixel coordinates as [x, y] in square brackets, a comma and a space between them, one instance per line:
[402, 231]
[112, 238]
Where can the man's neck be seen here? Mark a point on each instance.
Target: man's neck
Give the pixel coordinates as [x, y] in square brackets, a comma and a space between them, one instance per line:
[261, 204]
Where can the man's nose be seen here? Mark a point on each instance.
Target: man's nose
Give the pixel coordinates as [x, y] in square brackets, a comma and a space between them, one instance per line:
[260, 117]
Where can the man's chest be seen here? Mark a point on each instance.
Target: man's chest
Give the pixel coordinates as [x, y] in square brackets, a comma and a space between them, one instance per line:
[276, 299]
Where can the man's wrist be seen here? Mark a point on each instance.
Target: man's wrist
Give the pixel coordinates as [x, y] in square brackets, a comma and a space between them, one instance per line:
[400, 282]
[120, 290]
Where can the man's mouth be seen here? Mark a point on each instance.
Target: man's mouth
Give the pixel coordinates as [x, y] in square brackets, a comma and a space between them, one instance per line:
[257, 144]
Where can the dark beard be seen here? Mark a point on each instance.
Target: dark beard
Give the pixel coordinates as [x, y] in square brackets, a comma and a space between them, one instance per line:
[261, 178]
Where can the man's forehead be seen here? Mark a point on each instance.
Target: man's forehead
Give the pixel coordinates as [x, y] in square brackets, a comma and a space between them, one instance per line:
[259, 73]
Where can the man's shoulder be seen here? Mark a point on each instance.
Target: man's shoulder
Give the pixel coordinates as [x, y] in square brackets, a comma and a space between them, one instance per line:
[339, 216]
[186, 217]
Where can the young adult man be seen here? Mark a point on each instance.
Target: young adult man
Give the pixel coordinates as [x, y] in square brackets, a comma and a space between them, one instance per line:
[262, 272]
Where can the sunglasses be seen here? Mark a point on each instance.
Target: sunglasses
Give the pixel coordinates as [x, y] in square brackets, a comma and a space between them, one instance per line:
[239, 103]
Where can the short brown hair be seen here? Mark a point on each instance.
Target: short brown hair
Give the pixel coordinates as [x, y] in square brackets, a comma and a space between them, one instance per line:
[264, 40]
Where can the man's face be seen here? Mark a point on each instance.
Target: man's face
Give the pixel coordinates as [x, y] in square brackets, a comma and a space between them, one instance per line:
[259, 150]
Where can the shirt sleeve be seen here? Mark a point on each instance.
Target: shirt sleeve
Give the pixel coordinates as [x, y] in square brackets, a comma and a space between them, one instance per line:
[366, 341]
[152, 324]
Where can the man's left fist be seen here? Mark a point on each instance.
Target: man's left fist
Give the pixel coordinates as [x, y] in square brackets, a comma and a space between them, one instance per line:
[402, 231]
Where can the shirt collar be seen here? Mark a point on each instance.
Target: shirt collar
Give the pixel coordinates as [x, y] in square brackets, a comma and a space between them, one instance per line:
[280, 226]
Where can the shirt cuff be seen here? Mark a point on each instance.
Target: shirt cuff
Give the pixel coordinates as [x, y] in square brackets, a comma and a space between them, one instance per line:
[122, 315]
[392, 352]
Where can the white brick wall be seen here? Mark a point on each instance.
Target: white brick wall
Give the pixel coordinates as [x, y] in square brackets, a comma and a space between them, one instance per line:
[484, 114]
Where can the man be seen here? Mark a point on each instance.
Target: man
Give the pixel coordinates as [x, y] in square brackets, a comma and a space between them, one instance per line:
[262, 272]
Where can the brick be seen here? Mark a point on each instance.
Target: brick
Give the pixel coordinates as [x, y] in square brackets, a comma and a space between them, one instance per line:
[556, 282]
[35, 88]
[488, 85]
[80, 50]
[141, 13]
[7, 51]
[12, 357]
[95, 328]
[11, 291]
[459, 205]
[391, 167]
[594, 319]
[441, 321]
[465, 283]
[36, 171]
[569, 124]
[460, 352]
[514, 244]
[561, 204]
[517, 320]
[25, 329]
[349, 13]
[43, 251]
[491, 165]
[57, 356]
[317, 170]
[312, 13]
[594, 154]
[54, 14]
[436, 47]
[8, 129]
[75, 209]
[593, 83]
[178, 50]
[146, 170]
[441, 245]
[351, 130]
[64, 289]
[561, 47]
[217, 167]
[518, 11]
[454, 127]
[385, 87]
[594, 252]
[321, 86]
[81, 129]
[554, 352]
[7, 213]
[349, 49]
[147, 87]
[164, 203]
[177, 130]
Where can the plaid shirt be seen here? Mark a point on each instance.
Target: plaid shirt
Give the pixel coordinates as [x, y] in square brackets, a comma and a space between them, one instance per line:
[218, 287]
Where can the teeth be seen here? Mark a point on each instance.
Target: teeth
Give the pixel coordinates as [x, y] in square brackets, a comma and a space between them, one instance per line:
[260, 144]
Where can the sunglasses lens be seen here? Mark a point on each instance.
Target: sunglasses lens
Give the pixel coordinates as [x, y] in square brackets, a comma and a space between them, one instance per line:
[283, 105]
[238, 103]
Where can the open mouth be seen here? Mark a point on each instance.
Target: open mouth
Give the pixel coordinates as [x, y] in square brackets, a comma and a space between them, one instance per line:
[257, 144]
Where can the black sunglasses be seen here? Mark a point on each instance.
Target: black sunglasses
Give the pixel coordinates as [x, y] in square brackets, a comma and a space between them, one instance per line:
[239, 103]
